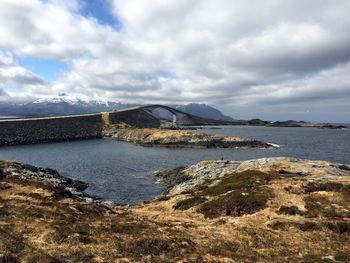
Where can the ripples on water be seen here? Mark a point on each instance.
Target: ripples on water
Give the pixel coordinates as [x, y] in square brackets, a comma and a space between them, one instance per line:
[121, 172]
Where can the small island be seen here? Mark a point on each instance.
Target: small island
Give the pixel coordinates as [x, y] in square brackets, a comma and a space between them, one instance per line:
[180, 138]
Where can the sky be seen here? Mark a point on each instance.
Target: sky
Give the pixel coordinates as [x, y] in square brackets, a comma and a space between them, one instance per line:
[269, 59]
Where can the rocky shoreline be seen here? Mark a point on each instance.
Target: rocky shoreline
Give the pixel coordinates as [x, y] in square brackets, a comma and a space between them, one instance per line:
[181, 139]
[278, 209]
[62, 185]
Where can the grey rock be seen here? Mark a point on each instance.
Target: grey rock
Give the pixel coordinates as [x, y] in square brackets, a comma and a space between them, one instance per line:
[209, 171]
[65, 186]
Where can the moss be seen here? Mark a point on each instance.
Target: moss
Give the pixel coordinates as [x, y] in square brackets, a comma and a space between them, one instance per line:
[189, 202]
[80, 256]
[74, 233]
[288, 188]
[339, 227]
[328, 187]
[127, 228]
[237, 194]
[335, 205]
[162, 198]
[60, 235]
[289, 210]
[4, 186]
[342, 256]
[237, 202]
[11, 241]
[346, 192]
[157, 247]
[3, 212]
[9, 258]
[78, 238]
[224, 249]
[37, 256]
[241, 181]
[285, 225]
[32, 195]
[316, 259]
[308, 226]
[61, 193]
[153, 246]
[318, 205]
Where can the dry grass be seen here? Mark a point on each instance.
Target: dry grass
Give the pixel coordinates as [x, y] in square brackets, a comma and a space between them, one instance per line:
[41, 224]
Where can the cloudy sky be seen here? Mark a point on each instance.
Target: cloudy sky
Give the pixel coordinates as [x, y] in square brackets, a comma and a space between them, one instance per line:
[271, 59]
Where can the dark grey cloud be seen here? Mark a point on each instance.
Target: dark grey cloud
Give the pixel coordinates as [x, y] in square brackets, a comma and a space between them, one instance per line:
[29, 79]
[2, 92]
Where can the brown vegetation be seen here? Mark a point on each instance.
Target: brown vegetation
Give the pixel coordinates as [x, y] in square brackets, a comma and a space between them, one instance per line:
[271, 218]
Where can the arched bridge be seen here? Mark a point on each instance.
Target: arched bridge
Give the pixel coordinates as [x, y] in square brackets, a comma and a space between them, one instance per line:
[142, 116]
[62, 128]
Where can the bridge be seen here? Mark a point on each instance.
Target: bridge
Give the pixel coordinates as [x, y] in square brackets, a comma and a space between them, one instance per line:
[84, 126]
[142, 116]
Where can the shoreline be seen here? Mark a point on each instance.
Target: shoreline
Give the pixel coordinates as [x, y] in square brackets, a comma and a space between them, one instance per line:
[178, 180]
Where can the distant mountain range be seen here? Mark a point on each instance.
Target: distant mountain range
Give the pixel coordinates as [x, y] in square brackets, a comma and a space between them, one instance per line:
[55, 106]
[65, 105]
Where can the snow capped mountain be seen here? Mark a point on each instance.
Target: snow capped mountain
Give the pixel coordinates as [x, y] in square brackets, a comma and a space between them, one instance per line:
[100, 102]
[59, 99]
[58, 105]
[70, 100]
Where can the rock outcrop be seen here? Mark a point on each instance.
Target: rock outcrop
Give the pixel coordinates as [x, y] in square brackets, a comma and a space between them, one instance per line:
[26, 172]
[202, 172]
[181, 138]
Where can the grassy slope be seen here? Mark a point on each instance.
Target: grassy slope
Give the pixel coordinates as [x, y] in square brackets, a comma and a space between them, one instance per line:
[279, 219]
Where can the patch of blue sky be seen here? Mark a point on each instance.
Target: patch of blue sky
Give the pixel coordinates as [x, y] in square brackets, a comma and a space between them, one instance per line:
[164, 74]
[157, 75]
[101, 11]
[15, 89]
[48, 69]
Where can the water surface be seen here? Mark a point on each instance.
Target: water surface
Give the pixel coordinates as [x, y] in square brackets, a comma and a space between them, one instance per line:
[122, 172]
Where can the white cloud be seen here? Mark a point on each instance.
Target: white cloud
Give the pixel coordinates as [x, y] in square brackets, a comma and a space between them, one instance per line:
[223, 52]
[50, 29]
[16, 81]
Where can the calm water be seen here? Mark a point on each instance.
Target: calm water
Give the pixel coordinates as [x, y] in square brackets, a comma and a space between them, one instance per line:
[122, 172]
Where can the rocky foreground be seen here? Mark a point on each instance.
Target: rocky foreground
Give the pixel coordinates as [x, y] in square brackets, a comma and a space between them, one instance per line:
[180, 139]
[264, 210]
